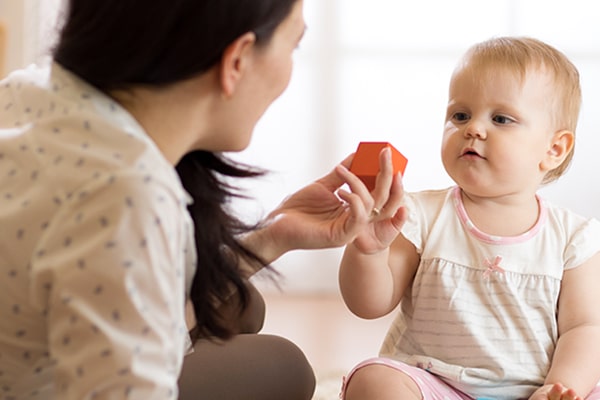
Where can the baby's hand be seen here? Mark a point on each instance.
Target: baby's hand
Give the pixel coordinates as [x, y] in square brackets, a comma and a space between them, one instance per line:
[387, 215]
[555, 392]
[382, 231]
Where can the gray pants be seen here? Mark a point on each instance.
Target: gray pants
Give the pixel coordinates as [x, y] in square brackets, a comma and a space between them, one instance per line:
[250, 366]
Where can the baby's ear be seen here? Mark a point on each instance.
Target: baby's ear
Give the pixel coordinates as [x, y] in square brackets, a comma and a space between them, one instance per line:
[560, 146]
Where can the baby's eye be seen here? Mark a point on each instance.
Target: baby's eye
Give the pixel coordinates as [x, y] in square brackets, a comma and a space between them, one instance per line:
[460, 116]
[503, 120]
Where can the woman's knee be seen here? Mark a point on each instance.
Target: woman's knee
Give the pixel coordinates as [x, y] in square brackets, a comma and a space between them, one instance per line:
[290, 367]
[262, 367]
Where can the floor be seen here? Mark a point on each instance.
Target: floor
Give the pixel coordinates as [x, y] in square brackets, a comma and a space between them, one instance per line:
[333, 339]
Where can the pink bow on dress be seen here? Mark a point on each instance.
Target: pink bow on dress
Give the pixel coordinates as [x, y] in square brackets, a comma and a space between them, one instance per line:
[493, 266]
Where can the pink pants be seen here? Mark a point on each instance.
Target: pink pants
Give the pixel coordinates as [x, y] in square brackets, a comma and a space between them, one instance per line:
[430, 386]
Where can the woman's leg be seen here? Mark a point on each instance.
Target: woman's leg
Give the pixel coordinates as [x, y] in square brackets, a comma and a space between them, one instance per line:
[248, 367]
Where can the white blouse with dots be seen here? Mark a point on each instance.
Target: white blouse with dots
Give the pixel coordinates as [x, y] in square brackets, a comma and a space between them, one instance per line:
[96, 246]
[481, 310]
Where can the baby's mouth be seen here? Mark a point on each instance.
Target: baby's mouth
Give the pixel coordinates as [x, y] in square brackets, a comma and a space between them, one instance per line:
[471, 153]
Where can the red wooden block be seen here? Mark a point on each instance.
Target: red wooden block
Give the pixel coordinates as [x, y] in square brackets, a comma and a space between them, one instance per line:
[365, 164]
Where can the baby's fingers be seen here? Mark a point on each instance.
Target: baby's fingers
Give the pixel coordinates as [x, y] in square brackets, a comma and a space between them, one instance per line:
[396, 194]
[559, 392]
[384, 177]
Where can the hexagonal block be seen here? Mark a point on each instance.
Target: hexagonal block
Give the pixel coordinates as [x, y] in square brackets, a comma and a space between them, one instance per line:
[365, 164]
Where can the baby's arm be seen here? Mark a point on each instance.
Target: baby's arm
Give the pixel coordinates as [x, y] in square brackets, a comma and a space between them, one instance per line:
[371, 280]
[575, 363]
[373, 284]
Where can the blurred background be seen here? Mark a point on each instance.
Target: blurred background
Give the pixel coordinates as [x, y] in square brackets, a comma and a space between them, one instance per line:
[376, 70]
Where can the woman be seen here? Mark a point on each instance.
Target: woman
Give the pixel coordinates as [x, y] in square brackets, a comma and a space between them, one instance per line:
[97, 240]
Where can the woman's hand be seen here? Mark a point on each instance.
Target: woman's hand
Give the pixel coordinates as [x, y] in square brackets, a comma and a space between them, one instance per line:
[555, 392]
[321, 215]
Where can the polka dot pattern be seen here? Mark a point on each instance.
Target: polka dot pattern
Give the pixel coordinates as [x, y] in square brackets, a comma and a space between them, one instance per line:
[95, 247]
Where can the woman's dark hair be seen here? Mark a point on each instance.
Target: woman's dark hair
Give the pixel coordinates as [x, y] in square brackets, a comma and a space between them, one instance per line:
[218, 278]
[115, 44]
[119, 44]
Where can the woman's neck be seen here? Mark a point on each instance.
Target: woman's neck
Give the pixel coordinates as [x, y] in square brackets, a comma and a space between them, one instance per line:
[175, 117]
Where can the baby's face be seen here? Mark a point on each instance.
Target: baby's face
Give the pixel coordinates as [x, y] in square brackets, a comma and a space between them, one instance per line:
[498, 130]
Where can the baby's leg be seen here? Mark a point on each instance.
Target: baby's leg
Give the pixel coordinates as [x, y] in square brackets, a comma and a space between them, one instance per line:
[380, 382]
[385, 379]
[595, 395]
[249, 367]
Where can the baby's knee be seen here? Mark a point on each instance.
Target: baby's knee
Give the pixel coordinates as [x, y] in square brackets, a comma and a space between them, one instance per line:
[380, 382]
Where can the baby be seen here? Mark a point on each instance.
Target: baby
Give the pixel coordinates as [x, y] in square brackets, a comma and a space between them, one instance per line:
[497, 287]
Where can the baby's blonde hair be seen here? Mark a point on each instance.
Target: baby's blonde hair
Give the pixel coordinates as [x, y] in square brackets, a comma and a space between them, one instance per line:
[523, 55]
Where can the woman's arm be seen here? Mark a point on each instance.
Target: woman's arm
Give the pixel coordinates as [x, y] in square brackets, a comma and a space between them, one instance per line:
[111, 291]
[322, 215]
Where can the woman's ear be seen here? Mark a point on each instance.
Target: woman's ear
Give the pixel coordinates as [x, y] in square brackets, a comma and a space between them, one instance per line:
[561, 145]
[234, 62]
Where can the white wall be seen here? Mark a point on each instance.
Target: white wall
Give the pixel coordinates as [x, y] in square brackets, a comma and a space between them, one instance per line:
[29, 26]
[12, 17]
[379, 70]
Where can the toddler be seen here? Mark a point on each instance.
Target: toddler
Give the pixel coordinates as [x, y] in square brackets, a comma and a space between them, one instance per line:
[496, 287]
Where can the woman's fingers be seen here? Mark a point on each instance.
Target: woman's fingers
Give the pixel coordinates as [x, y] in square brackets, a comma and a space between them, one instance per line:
[357, 187]
[396, 195]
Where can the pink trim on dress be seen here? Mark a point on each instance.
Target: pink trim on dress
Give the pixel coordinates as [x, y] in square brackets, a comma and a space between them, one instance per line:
[430, 386]
[484, 237]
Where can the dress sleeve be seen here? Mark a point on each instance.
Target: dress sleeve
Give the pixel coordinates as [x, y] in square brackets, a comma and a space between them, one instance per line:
[109, 275]
[411, 229]
[425, 209]
[583, 244]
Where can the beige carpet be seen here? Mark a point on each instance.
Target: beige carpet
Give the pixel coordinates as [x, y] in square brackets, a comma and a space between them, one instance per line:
[328, 386]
